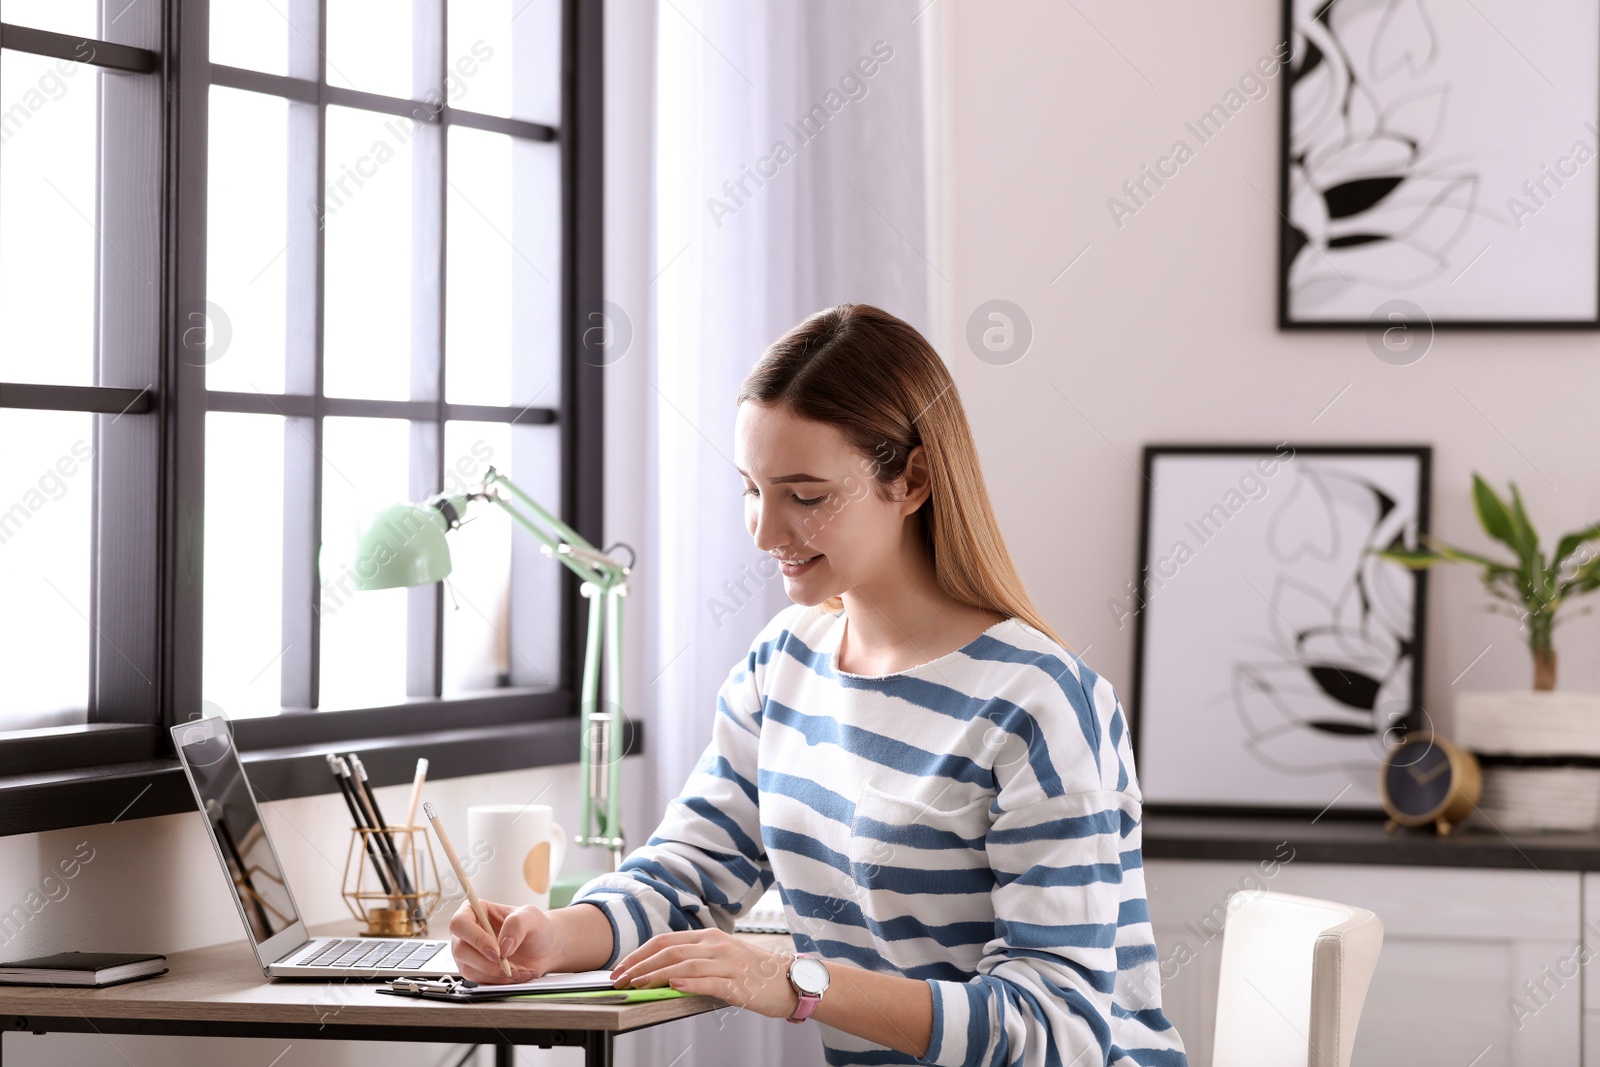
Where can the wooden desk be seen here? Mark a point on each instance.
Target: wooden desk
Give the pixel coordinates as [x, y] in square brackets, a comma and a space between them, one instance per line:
[220, 992]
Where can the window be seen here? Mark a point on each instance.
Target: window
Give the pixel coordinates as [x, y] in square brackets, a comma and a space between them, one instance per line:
[264, 267]
[80, 304]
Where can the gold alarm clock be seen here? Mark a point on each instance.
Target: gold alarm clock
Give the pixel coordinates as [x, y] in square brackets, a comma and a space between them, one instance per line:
[1426, 779]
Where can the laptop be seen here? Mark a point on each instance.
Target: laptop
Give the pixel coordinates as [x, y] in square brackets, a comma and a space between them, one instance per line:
[259, 889]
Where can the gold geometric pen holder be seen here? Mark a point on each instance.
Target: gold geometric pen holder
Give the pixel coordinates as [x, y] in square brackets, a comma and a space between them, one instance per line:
[391, 914]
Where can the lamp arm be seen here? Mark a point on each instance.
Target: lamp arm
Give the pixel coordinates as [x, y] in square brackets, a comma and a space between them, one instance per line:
[494, 477]
[613, 814]
[545, 538]
[587, 562]
[600, 804]
[594, 736]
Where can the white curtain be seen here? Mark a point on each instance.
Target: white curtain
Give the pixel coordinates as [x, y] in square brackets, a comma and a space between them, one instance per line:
[788, 176]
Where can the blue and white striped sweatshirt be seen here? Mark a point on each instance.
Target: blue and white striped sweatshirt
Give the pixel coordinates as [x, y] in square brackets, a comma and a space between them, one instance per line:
[973, 822]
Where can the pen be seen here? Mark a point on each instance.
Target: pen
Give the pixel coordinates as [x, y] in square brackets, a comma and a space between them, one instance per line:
[380, 856]
[411, 808]
[369, 800]
[386, 845]
[341, 775]
[472, 896]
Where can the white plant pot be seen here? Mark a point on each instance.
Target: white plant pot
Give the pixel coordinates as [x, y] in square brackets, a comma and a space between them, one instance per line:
[1527, 722]
[1533, 799]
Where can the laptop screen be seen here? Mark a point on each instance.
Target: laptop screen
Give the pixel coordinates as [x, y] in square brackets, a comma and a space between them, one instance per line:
[236, 829]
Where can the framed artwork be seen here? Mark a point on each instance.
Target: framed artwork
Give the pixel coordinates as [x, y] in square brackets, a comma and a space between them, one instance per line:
[1440, 163]
[1275, 657]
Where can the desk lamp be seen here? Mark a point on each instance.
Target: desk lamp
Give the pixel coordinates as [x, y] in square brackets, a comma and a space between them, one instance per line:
[404, 545]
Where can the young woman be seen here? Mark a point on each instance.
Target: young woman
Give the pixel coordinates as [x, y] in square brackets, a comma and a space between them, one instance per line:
[943, 793]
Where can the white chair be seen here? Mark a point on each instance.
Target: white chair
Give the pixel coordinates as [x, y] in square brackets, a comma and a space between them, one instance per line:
[1295, 973]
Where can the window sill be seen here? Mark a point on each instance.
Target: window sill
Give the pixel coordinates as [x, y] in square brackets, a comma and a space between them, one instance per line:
[52, 800]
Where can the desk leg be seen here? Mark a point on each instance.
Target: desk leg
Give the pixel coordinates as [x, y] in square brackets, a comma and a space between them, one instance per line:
[597, 1048]
[596, 1051]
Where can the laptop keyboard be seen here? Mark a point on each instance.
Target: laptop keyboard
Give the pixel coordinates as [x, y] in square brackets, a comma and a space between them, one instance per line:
[365, 952]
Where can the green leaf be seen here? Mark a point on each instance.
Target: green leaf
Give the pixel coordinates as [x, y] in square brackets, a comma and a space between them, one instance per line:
[1542, 581]
[1457, 555]
[1590, 570]
[1585, 580]
[1569, 544]
[1415, 558]
[1492, 511]
[1526, 538]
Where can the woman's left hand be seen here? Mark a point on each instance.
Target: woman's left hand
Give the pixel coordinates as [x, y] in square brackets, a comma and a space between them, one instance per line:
[712, 962]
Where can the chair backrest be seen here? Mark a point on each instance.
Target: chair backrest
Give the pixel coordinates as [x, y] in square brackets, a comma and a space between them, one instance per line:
[1295, 972]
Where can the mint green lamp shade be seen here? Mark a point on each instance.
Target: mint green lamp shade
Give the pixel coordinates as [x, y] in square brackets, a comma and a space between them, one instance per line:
[402, 545]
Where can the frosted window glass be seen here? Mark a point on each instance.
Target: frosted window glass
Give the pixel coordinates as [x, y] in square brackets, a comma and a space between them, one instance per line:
[477, 603]
[253, 34]
[244, 563]
[503, 271]
[365, 468]
[77, 17]
[247, 241]
[46, 486]
[367, 321]
[505, 58]
[48, 115]
[369, 45]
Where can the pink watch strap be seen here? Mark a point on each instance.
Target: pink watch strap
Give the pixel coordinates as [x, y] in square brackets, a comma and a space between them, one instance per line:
[808, 1004]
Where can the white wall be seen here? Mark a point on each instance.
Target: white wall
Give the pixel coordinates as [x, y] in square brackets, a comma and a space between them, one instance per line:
[1164, 330]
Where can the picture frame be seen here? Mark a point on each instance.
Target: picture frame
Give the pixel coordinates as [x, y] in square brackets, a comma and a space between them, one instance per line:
[1275, 658]
[1434, 173]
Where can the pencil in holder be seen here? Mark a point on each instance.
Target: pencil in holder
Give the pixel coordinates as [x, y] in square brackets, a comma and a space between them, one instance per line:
[391, 882]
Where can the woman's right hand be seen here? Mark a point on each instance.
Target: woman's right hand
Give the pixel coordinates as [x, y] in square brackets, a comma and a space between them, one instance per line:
[526, 938]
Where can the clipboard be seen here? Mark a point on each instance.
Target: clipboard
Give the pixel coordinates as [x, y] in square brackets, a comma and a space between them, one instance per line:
[582, 990]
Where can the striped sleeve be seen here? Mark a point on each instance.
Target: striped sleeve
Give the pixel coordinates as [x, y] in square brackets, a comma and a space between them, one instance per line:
[705, 863]
[1043, 991]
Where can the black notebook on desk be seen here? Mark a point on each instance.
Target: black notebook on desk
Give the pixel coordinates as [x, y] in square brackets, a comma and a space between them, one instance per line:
[83, 968]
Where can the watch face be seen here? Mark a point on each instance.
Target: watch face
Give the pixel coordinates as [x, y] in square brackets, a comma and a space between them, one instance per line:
[810, 975]
[1418, 777]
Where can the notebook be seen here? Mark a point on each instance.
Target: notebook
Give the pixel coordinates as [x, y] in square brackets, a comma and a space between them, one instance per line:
[82, 968]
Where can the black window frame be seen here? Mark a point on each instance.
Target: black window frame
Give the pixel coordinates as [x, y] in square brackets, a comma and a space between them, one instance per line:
[152, 427]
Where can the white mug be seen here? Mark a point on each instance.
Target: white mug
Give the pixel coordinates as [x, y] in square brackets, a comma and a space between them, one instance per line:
[526, 847]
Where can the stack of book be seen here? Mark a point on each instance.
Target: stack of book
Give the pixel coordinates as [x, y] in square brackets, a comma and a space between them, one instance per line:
[82, 968]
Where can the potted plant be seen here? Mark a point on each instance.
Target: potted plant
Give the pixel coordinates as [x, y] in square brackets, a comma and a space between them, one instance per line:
[1533, 744]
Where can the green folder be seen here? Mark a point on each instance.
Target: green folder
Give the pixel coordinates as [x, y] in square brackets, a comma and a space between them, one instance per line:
[608, 996]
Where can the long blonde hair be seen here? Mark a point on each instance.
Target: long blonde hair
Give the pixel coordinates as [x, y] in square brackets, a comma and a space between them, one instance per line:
[875, 378]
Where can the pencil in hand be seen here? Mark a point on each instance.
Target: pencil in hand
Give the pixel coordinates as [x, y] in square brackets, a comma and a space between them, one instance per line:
[461, 875]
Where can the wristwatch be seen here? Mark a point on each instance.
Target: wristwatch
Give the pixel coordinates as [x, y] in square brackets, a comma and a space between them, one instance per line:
[809, 976]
